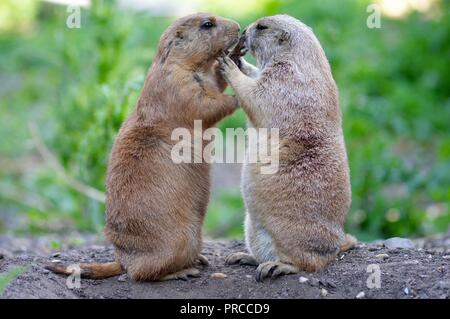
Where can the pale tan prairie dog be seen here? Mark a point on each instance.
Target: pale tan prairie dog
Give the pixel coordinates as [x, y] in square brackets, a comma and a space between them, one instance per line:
[295, 217]
[155, 208]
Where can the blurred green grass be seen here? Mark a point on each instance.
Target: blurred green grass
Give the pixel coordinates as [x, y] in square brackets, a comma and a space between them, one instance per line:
[78, 85]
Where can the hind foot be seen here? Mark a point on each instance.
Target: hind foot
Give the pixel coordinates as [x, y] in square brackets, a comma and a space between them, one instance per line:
[241, 259]
[183, 274]
[274, 269]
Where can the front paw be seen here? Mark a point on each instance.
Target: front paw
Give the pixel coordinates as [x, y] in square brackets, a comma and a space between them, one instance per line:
[227, 67]
[238, 52]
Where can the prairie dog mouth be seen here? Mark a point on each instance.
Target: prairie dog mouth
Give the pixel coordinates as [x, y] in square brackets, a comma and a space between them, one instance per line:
[231, 47]
[238, 51]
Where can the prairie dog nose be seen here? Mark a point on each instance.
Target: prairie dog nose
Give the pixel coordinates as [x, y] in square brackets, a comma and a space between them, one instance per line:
[235, 24]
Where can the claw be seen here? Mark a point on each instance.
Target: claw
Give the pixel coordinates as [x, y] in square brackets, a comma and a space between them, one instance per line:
[202, 260]
[195, 274]
[183, 274]
[276, 272]
[187, 274]
[274, 269]
[241, 259]
[265, 270]
[183, 277]
[225, 61]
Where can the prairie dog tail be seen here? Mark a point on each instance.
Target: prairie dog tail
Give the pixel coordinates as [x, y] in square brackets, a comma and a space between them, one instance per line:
[349, 242]
[91, 271]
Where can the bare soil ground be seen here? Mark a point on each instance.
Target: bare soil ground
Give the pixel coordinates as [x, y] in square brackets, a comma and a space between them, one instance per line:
[421, 272]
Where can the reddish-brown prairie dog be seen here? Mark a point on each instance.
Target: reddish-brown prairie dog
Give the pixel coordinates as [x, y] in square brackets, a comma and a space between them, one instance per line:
[155, 208]
[295, 217]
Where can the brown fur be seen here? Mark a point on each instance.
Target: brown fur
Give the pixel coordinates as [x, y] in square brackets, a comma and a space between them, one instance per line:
[301, 227]
[155, 208]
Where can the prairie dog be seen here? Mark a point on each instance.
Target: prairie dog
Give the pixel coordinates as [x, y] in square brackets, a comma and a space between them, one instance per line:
[295, 217]
[154, 207]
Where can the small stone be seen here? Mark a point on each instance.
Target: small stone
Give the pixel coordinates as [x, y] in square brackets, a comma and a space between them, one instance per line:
[303, 280]
[397, 242]
[122, 278]
[55, 261]
[218, 275]
[406, 291]
[374, 248]
[314, 282]
[446, 257]
[45, 271]
[360, 295]
[248, 276]
[324, 292]
[56, 255]
[382, 256]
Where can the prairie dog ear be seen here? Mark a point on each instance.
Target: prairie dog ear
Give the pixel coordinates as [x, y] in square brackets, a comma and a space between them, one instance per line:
[285, 36]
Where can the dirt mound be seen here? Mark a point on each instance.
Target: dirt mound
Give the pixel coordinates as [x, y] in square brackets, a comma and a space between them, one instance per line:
[420, 272]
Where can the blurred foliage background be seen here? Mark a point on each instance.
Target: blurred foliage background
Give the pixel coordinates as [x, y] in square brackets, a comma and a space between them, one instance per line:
[65, 92]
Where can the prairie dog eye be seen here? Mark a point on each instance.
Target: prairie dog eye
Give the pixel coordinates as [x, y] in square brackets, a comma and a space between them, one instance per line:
[207, 25]
[261, 27]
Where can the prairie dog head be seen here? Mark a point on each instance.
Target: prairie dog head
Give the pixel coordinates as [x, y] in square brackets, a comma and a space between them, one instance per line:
[282, 34]
[197, 39]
